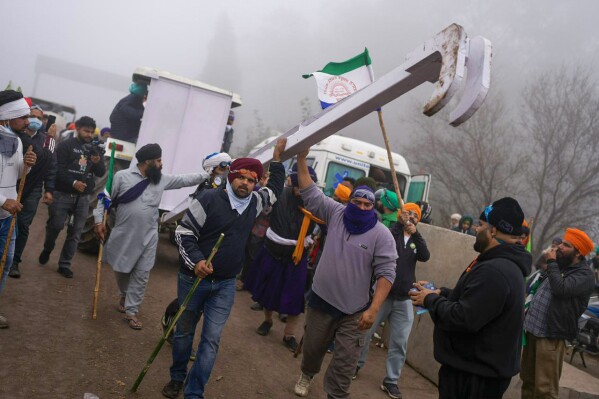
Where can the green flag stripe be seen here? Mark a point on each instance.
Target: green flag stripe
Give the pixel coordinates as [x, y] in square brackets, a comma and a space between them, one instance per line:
[110, 170]
[339, 68]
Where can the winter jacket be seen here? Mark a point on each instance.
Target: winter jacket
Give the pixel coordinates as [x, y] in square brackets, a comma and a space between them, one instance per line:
[210, 214]
[44, 170]
[73, 163]
[478, 324]
[405, 271]
[571, 288]
[125, 119]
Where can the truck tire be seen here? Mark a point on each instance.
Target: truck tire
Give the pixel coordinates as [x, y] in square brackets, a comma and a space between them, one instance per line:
[88, 242]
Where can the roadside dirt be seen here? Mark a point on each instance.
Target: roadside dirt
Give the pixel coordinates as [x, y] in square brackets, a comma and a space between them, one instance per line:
[53, 348]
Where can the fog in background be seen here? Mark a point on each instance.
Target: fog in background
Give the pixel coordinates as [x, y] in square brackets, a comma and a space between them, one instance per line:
[260, 49]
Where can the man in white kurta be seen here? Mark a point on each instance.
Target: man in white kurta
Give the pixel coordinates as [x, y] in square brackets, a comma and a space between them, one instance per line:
[131, 248]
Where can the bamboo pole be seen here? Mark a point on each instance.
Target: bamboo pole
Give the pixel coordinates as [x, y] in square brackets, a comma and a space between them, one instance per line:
[174, 321]
[98, 269]
[391, 165]
[13, 221]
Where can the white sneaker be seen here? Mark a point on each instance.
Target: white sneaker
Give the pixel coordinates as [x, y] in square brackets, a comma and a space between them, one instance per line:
[3, 322]
[302, 388]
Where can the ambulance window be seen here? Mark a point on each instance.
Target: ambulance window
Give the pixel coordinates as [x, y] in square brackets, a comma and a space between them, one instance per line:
[335, 174]
[383, 179]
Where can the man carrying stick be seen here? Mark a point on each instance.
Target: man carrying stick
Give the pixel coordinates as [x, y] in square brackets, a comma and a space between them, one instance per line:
[131, 249]
[231, 211]
[341, 306]
[14, 117]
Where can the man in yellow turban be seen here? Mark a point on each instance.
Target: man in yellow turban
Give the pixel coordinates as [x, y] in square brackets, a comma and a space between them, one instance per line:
[552, 316]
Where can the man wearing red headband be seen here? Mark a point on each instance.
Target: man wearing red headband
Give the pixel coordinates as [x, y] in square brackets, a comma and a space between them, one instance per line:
[231, 211]
[552, 316]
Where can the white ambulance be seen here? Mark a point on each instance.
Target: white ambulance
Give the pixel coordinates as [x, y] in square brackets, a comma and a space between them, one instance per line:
[337, 157]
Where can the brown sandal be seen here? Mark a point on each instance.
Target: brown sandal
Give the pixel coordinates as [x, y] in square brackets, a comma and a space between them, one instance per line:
[121, 307]
[134, 323]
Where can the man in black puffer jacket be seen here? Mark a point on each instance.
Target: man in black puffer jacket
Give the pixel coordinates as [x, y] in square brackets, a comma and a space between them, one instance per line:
[125, 119]
[478, 324]
[559, 297]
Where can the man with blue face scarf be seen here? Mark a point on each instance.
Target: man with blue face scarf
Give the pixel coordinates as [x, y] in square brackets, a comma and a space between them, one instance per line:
[41, 176]
[341, 306]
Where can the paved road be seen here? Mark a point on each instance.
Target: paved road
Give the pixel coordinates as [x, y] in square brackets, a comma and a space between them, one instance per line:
[53, 349]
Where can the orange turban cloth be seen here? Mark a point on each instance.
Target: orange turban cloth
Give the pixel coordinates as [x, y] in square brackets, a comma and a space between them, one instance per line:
[342, 192]
[410, 206]
[580, 240]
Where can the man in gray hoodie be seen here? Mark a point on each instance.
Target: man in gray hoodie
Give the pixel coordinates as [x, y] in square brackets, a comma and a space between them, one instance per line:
[341, 306]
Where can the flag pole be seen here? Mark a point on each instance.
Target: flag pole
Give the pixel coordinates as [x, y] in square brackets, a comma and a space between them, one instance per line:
[104, 218]
[98, 269]
[391, 165]
[174, 321]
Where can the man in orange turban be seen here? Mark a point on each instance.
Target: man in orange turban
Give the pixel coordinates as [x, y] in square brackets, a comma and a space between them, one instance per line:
[552, 316]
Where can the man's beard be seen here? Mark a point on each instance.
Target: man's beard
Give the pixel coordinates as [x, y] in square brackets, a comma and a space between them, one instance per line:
[242, 194]
[564, 260]
[154, 174]
[482, 241]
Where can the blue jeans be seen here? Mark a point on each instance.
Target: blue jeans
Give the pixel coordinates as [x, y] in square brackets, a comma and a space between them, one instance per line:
[215, 298]
[400, 315]
[4, 227]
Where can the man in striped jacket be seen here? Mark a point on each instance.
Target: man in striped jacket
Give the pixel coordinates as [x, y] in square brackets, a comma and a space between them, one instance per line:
[232, 211]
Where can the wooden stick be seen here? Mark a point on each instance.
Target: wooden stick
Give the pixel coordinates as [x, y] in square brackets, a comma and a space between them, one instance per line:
[174, 321]
[98, 269]
[391, 165]
[13, 221]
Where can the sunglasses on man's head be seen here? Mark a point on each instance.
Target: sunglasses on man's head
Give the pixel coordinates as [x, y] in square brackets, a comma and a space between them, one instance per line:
[224, 164]
[246, 174]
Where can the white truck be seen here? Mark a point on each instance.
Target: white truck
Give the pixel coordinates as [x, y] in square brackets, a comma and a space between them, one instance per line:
[186, 117]
[337, 157]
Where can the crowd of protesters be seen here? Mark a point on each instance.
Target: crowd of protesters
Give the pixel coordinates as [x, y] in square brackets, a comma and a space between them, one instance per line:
[349, 262]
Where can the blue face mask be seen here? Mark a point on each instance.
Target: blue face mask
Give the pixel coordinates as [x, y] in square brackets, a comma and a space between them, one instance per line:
[34, 124]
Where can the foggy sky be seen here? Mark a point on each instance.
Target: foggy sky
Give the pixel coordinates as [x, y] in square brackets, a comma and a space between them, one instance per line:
[260, 49]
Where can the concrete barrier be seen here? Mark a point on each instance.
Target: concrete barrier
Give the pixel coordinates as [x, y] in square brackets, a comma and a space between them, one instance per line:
[451, 252]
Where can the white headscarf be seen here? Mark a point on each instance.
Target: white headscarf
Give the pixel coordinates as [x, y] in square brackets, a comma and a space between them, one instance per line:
[213, 160]
[14, 109]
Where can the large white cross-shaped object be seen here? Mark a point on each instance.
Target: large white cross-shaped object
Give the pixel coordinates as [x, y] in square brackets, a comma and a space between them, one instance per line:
[450, 60]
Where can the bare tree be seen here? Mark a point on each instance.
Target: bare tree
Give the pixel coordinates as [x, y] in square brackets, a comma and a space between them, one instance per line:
[561, 114]
[472, 165]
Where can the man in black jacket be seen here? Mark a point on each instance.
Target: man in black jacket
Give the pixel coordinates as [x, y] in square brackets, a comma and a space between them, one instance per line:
[559, 297]
[77, 162]
[41, 175]
[397, 308]
[478, 324]
[125, 119]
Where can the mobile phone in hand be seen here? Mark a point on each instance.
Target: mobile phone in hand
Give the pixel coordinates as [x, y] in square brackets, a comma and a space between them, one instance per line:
[51, 121]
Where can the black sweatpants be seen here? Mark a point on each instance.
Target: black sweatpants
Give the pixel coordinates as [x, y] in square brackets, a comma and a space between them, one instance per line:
[454, 384]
